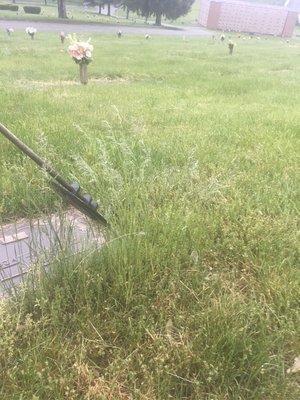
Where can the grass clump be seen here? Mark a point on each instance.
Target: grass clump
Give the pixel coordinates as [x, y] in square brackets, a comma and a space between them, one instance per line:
[194, 160]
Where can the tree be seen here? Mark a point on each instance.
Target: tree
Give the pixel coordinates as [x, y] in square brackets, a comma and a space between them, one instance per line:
[171, 9]
[100, 4]
[110, 3]
[130, 6]
[61, 7]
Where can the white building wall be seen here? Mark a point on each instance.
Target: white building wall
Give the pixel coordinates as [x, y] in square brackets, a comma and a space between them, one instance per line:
[204, 10]
[239, 16]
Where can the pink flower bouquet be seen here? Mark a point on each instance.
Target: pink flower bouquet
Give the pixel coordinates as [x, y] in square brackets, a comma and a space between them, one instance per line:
[81, 52]
[31, 31]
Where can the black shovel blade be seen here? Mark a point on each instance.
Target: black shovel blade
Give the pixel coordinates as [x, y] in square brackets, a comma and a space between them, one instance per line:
[80, 205]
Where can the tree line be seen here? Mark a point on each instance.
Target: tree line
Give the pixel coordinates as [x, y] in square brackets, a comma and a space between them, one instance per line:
[170, 9]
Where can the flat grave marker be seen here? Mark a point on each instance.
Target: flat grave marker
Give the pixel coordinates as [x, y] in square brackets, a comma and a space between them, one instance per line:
[29, 242]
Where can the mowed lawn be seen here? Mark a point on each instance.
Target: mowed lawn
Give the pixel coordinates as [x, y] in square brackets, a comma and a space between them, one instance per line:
[192, 154]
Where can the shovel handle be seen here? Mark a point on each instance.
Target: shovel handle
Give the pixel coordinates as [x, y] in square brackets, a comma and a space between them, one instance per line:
[65, 187]
[31, 154]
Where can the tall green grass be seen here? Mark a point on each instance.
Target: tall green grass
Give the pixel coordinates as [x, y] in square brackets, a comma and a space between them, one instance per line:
[192, 154]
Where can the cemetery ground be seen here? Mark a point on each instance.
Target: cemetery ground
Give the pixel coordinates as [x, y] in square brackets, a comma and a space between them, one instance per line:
[49, 13]
[78, 13]
[192, 154]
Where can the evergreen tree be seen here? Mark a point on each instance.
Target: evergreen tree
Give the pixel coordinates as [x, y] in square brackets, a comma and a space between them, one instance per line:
[131, 6]
[171, 9]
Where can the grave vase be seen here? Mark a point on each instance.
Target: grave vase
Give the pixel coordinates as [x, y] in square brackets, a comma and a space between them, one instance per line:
[83, 73]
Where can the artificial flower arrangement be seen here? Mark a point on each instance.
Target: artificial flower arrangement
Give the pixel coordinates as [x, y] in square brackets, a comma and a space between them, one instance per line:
[9, 31]
[31, 31]
[230, 47]
[81, 52]
[62, 36]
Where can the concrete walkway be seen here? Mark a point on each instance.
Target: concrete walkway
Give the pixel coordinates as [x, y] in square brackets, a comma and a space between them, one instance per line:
[45, 26]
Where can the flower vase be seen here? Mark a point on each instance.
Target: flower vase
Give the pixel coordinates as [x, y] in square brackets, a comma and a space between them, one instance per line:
[83, 73]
